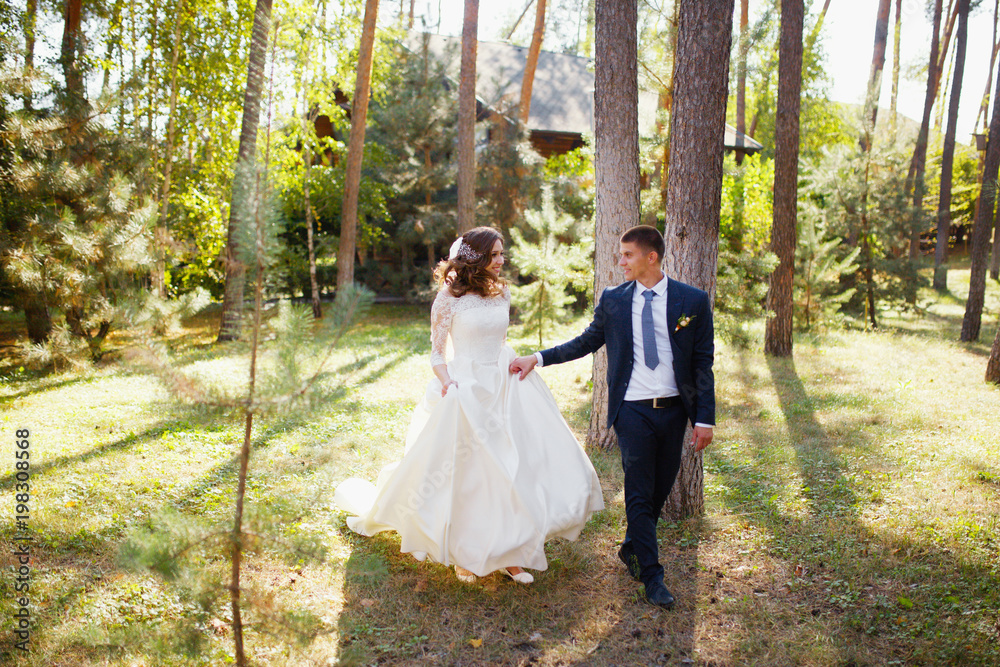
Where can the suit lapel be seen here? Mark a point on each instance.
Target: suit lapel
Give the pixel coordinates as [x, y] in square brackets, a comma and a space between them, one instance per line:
[675, 306]
[626, 310]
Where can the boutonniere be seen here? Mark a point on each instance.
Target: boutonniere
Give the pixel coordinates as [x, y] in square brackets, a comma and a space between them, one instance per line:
[683, 321]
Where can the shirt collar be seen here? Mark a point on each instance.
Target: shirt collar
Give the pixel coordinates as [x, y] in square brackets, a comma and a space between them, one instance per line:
[659, 288]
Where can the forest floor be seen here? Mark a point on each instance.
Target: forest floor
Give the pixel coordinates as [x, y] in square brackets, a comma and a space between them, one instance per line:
[852, 514]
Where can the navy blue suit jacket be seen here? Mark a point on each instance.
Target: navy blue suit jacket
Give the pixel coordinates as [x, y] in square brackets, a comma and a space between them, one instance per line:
[693, 346]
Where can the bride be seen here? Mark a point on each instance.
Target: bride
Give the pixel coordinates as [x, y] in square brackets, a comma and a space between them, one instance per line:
[490, 470]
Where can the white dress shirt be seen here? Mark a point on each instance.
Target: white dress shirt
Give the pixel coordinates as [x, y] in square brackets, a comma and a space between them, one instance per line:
[649, 382]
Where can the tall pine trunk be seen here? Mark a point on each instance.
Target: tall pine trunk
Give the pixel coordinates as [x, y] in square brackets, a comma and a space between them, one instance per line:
[356, 148]
[867, 137]
[616, 167]
[162, 232]
[741, 82]
[948, 155]
[993, 365]
[30, 21]
[70, 55]
[895, 68]
[995, 263]
[528, 81]
[232, 301]
[984, 106]
[919, 162]
[694, 187]
[981, 229]
[778, 332]
[467, 119]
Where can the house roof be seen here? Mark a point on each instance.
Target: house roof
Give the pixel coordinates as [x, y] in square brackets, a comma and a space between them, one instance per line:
[562, 97]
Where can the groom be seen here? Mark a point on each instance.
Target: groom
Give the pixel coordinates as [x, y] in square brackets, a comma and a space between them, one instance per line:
[660, 345]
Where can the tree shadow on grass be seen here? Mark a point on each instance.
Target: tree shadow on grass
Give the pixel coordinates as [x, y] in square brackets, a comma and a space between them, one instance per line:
[871, 596]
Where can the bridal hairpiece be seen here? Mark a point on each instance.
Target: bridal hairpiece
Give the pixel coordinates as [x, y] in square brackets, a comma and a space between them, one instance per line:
[462, 250]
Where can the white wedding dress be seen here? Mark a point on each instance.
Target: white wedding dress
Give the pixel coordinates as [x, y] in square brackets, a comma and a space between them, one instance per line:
[491, 470]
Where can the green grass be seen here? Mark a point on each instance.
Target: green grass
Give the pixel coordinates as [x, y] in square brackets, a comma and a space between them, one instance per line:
[852, 497]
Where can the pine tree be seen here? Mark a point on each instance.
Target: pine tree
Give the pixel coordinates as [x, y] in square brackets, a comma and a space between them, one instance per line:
[552, 264]
[415, 124]
[183, 549]
[509, 172]
[818, 272]
[80, 239]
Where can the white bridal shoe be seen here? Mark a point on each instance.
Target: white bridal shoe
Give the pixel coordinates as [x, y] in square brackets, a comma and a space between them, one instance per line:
[521, 577]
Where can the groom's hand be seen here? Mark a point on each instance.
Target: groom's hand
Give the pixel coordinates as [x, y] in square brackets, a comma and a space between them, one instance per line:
[523, 365]
[701, 438]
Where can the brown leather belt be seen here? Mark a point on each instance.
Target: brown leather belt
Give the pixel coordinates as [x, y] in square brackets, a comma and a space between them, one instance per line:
[662, 402]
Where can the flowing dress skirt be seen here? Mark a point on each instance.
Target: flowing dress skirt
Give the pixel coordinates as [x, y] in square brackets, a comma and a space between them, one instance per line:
[490, 472]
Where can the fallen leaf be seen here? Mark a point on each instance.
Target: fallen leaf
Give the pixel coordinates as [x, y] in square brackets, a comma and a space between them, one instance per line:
[421, 586]
[368, 602]
[476, 643]
[535, 636]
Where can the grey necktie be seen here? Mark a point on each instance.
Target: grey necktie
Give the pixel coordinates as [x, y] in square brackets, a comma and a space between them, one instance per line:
[648, 339]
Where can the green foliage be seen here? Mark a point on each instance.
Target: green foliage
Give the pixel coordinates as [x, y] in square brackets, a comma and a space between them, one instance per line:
[509, 173]
[740, 290]
[81, 236]
[819, 272]
[554, 263]
[880, 214]
[570, 177]
[747, 203]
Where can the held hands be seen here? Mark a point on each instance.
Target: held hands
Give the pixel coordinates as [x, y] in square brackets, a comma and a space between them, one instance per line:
[701, 438]
[523, 365]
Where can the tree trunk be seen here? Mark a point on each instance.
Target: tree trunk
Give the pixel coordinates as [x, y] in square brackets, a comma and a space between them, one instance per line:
[741, 84]
[111, 40]
[984, 106]
[356, 149]
[232, 303]
[161, 234]
[30, 20]
[993, 365]
[895, 68]
[919, 162]
[948, 155]
[875, 74]
[943, 58]
[529, 69]
[616, 167]
[310, 237]
[982, 228]
[995, 264]
[694, 188]
[467, 120]
[36, 317]
[778, 332]
[70, 54]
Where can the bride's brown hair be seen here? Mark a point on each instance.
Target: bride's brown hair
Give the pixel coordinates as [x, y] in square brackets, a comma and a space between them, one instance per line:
[468, 271]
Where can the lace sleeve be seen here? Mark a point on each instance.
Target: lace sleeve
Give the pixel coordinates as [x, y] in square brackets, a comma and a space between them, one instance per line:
[441, 314]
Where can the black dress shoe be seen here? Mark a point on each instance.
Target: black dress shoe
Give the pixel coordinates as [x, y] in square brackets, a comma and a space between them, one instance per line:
[627, 556]
[658, 595]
